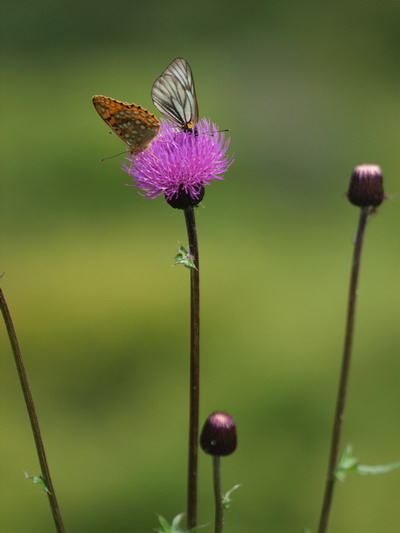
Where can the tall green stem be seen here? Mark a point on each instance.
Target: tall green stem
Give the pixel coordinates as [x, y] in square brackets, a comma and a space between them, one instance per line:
[344, 374]
[30, 406]
[194, 369]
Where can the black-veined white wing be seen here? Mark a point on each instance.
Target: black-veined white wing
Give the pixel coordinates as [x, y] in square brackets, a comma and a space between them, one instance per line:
[173, 94]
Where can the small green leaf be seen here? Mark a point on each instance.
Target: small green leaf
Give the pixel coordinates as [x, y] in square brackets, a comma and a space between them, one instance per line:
[175, 526]
[226, 498]
[163, 523]
[39, 480]
[365, 470]
[184, 258]
[176, 521]
[348, 463]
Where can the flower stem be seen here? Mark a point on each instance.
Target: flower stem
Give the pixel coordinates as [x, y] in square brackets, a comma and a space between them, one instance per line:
[219, 510]
[32, 414]
[194, 369]
[344, 373]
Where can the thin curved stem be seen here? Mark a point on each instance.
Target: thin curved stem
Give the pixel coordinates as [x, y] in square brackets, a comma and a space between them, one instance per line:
[344, 373]
[219, 510]
[194, 369]
[30, 406]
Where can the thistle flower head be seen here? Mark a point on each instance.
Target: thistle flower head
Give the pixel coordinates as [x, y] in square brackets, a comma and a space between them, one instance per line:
[179, 164]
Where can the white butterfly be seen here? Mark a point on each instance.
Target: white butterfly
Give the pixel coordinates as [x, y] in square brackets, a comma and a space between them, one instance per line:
[173, 94]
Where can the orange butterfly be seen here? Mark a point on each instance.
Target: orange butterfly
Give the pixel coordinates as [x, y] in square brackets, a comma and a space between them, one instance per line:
[134, 125]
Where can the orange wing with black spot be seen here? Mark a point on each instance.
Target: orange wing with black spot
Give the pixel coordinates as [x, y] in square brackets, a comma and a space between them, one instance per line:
[134, 125]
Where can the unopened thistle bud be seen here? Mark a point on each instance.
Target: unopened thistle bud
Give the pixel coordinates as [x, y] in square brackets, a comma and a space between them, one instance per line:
[218, 436]
[366, 186]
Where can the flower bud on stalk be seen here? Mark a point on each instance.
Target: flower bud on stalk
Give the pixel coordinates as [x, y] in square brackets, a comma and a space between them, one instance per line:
[218, 436]
[366, 186]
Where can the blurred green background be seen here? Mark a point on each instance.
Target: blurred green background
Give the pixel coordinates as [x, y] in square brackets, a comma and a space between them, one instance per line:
[308, 90]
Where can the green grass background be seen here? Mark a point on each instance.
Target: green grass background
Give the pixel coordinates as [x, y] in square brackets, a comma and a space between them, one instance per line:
[308, 90]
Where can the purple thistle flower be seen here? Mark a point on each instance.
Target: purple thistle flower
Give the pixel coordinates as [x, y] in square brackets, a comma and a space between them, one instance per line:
[179, 163]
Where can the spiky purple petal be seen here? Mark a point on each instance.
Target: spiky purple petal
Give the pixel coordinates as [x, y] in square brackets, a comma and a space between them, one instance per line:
[178, 161]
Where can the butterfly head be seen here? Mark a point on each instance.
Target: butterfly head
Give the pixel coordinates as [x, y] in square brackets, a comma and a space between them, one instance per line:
[189, 127]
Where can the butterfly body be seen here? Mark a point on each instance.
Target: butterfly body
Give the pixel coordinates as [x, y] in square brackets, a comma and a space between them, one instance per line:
[133, 124]
[174, 94]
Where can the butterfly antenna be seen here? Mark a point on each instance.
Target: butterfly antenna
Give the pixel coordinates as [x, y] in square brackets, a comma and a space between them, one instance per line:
[111, 156]
[212, 133]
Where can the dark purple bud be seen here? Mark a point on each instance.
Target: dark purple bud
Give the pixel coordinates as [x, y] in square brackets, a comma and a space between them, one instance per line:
[366, 186]
[218, 436]
[184, 200]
